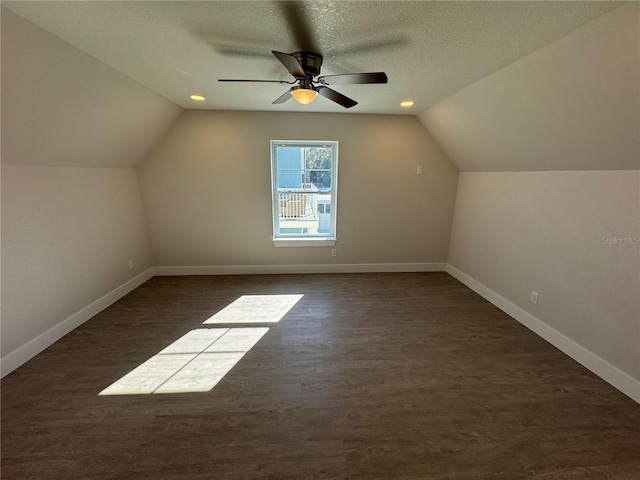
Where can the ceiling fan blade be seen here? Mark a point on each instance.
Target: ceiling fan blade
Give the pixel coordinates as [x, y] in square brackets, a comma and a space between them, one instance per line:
[233, 45]
[334, 96]
[290, 63]
[240, 51]
[370, 46]
[253, 81]
[354, 78]
[297, 20]
[282, 98]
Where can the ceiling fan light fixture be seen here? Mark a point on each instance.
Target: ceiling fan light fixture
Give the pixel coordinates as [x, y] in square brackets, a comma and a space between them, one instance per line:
[303, 95]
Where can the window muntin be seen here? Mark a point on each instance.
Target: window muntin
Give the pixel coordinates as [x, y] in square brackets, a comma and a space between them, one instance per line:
[304, 181]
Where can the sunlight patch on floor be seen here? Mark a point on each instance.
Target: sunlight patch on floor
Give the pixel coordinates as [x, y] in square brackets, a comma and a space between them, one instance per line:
[195, 362]
[198, 360]
[255, 309]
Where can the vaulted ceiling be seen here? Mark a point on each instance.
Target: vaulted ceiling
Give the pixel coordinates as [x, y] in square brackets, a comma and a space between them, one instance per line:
[501, 86]
[428, 49]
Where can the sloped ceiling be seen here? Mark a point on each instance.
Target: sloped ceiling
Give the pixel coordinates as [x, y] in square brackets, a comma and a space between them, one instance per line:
[569, 104]
[428, 49]
[572, 105]
[63, 107]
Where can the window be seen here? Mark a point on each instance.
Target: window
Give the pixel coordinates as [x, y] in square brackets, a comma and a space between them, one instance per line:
[304, 177]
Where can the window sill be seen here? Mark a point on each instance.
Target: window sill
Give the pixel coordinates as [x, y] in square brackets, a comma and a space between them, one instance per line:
[305, 242]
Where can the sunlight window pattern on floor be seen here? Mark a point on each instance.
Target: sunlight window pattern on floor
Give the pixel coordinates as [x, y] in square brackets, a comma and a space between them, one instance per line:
[195, 362]
[198, 360]
[255, 309]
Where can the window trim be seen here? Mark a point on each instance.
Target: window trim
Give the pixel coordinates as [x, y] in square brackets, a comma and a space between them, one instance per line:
[304, 240]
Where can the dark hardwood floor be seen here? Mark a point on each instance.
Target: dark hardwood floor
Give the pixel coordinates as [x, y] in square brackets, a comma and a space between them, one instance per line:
[369, 376]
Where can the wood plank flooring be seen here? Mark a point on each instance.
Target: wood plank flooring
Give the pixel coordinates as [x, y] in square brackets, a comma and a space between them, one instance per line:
[369, 376]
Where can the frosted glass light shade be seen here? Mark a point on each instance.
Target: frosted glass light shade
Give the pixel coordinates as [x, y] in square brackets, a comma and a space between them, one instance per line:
[304, 95]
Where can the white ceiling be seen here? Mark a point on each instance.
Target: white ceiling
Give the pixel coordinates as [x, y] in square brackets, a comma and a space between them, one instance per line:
[429, 50]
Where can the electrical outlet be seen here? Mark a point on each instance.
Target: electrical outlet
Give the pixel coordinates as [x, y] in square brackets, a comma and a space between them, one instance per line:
[534, 297]
[419, 171]
[333, 252]
[131, 265]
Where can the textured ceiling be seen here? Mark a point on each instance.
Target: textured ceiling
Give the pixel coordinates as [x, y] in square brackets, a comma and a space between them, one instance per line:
[429, 50]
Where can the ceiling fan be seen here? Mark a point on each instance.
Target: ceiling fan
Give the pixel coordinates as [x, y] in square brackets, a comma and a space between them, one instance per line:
[305, 68]
[305, 63]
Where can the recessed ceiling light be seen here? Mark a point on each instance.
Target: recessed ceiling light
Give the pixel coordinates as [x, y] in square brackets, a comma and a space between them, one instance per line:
[407, 103]
[196, 97]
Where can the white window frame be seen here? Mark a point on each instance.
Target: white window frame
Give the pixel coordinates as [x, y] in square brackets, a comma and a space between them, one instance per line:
[304, 240]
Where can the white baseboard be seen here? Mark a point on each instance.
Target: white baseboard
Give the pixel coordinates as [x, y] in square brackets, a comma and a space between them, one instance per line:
[13, 360]
[610, 374]
[18, 357]
[285, 269]
[620, 380]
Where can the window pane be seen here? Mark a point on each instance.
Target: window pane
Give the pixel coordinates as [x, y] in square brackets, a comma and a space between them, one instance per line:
[324, 217]
[304, 189]
[294, 205]
[290, 178]
[308, 211]
[318, 166]
[318, 158]
[321, 179]
[291, 230]
[290, 167]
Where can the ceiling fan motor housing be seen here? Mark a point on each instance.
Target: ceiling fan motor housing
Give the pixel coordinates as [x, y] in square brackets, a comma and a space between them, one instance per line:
[309, 61]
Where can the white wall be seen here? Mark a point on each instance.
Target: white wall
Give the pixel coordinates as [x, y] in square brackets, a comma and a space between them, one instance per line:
[68, 231]
[63, 107]
[558, 233]
[67, 236]
[559, 129]
[572, 105]
[207, 190]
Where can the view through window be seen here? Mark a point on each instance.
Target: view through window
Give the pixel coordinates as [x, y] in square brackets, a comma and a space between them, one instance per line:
[304, 180]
